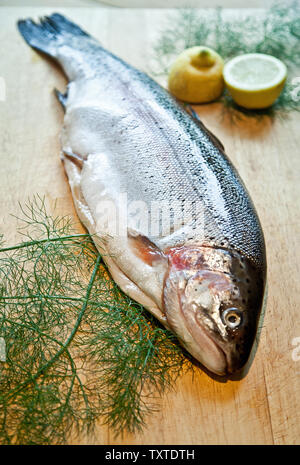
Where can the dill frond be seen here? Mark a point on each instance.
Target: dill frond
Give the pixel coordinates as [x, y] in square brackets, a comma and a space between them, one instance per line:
[78, 351]
[275, 31]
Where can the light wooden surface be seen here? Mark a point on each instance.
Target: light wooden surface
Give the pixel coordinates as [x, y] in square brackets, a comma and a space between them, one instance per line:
[264, 406]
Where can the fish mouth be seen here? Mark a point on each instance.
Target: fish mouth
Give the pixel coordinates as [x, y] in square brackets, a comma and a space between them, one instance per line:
[204, 347]
[186, 320]
[213, 356]
[231, 363]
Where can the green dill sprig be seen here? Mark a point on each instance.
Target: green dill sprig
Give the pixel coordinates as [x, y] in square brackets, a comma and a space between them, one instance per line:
[275, 31]
[78, 351]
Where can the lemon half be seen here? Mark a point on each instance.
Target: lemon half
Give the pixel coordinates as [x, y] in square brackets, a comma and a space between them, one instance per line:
[254, 80]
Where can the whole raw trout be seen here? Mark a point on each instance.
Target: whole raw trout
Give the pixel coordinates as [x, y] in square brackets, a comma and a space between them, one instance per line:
[166, 208]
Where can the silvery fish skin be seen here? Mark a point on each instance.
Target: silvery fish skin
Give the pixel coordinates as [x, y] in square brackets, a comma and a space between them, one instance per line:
[129, 146]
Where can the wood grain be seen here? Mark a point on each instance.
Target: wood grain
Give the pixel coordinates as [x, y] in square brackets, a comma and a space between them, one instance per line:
[264, 406]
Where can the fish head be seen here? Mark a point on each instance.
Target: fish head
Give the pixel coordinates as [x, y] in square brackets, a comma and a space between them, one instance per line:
[212, 299]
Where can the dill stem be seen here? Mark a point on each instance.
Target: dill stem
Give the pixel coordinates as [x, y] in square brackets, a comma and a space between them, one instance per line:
[41, 296]
[57, 297]
[70, 338]
[41, 241]
[73, 367]
[85, 303]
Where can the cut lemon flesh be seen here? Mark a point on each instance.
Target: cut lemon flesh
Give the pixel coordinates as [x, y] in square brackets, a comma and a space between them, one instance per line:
[254, 80]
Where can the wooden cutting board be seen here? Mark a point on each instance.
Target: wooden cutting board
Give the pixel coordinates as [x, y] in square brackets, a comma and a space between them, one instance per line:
[264, 406]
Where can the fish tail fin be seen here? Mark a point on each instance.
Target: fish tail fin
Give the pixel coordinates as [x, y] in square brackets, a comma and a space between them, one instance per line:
[51, 33]
[39, 37]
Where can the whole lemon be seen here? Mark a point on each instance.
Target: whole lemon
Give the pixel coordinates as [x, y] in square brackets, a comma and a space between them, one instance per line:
[196, 76]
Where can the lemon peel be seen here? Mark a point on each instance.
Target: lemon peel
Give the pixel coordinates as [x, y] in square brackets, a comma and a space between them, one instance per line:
[196, 75]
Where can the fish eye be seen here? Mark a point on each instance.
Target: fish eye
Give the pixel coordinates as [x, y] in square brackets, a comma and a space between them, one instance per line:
[232, 317]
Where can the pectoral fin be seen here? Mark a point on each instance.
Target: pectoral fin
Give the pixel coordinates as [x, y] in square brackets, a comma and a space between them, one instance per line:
[145, 249]
[62, 98]
[77, 159]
